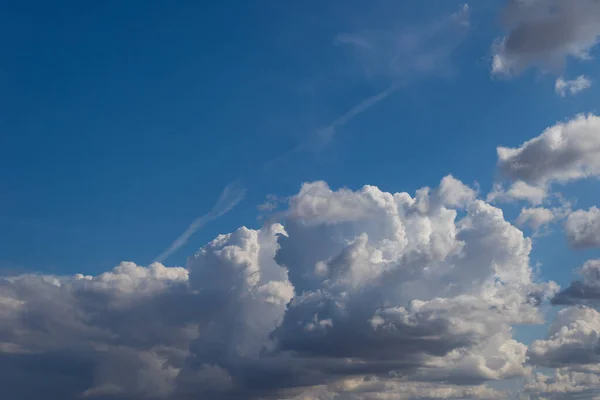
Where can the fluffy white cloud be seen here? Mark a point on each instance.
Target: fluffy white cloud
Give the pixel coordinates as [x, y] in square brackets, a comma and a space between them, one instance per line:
[563, 87]
[362, 293]
[563, 153]
[452, 286]
[518, 190]
[535, 217]
[454, 193]
[543, 33]
[583, 228]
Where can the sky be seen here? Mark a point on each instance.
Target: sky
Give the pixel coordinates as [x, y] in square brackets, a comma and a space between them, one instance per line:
[308, 200]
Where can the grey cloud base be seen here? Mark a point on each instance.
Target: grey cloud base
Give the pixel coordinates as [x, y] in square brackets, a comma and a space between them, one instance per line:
[585, 291]
[362, 294]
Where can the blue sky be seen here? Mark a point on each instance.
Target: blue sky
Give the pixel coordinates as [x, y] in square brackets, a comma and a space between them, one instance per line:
[123, 122]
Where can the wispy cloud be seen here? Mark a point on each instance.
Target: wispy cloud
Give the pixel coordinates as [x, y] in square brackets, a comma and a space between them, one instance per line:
[572, 87]
[404, 53]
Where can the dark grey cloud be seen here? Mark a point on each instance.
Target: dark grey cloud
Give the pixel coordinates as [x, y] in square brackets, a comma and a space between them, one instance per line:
[544, 33]
[404, 53]
[585, 291]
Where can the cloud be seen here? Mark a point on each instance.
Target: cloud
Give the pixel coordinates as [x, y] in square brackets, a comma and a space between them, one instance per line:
[518, 190]
[539, 218]
[563, 153]
[454, 193]
[583, 291]
[110, 333]
[362, 293]
[564, 384]
[362, 388]
[572, 347]
[544, 33]
[404, 53]
[583, 228]
[572, 87]
[535, 218]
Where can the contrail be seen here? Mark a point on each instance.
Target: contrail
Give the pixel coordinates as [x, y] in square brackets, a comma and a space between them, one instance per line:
[230, 197]
[325, 135]
[234, 193]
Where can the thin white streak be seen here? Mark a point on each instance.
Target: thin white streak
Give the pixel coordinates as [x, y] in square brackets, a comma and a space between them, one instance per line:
[230, 197]
[325, 135]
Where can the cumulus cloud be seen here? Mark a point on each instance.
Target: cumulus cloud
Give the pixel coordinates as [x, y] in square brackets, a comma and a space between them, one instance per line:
[544, 33]
[535, 217]
[572, 347]
[518, 190]
[358, 294]
[572, 339]
[565, 383]
[540, 218]
[108, 334]
[565, 152]
[583, 228]
[564, 87]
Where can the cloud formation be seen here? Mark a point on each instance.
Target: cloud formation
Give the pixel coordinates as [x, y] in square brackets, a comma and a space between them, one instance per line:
[572, 347]
[583, 228]
[361, 293]
[565, 383]
[544, 33]
[402, 53]
[572, 339]
[565, 152]
[535, 217]
[564, 87]
[585, 291]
